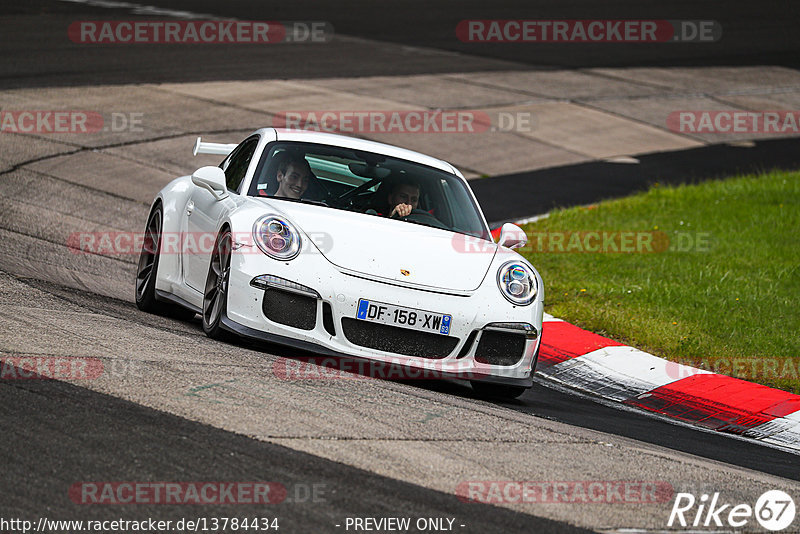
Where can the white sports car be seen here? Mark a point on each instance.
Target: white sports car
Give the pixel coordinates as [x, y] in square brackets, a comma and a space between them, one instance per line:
[345, 247]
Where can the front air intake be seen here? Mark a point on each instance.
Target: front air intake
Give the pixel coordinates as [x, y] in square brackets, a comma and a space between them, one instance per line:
[500, 348]
[398, 340]
[290, 308]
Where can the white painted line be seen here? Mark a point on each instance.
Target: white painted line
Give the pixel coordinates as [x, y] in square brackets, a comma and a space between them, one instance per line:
[141, 9]
[622, 159]
[534, 218]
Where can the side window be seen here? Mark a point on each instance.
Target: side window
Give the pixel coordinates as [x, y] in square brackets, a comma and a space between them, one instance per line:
[235, 165]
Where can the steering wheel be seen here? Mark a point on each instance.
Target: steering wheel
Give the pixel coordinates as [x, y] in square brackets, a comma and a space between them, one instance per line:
[422, 217]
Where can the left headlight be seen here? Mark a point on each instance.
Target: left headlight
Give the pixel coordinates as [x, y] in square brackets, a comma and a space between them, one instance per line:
[517, 283]
[276, 237]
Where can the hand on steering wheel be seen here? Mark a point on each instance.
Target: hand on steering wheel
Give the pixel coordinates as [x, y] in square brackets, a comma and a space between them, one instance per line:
[402, 210]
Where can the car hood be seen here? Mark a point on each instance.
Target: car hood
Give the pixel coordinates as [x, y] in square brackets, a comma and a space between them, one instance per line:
[386, 249]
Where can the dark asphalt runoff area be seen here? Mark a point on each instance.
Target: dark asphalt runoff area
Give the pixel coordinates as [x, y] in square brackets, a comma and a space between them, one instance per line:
[56, 435]
[753, 33]
[516, 196]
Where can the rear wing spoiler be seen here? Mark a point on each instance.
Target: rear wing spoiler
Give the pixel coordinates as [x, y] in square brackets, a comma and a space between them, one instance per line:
[212, 148]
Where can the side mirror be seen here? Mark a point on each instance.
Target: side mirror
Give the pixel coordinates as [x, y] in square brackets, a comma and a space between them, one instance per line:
[212, 179]
[512, 236]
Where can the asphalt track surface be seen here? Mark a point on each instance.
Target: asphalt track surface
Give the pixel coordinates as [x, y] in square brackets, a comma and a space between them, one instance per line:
[56, 433]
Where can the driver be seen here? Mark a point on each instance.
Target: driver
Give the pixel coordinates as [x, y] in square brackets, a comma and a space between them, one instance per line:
[403, 198]
[293, 176]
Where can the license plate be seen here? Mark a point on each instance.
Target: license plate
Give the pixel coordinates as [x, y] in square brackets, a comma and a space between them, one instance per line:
[380, 312]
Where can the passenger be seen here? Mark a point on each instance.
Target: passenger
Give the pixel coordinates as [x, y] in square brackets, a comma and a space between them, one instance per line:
[403, 198]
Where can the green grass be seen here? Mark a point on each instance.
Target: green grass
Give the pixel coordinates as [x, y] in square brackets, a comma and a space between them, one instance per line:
[730, 305]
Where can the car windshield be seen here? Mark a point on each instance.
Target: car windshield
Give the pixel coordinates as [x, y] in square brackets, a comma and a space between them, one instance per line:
[369, 183]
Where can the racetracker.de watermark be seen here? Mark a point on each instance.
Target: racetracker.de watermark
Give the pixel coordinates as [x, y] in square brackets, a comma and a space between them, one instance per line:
[69, 121]
[455, 121]
[735, 121]
[176, 493]
[564, 492]
[202, 243]
[396, 368]
[68, 368]
[50, 368]
[587, 31]
[594, 242]
[198, 32]
[745, 368]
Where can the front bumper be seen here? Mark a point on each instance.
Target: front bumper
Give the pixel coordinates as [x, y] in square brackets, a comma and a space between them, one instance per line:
[335, 295]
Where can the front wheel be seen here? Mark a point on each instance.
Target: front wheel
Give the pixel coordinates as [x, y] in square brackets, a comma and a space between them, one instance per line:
[148, 268]
[497, 391]
[215, 296]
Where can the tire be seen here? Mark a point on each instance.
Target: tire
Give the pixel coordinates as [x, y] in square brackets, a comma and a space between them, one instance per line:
[215, 294]
[497, 391]
[148, 268]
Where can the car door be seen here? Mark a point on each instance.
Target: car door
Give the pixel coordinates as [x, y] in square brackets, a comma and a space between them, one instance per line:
[203, 213]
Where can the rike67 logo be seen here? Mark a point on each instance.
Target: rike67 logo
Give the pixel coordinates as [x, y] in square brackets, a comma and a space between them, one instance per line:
[774, 510]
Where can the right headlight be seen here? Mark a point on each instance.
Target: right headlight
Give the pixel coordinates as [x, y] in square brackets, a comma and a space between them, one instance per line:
[276, 237]
[517, 283]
